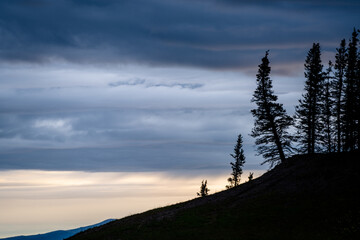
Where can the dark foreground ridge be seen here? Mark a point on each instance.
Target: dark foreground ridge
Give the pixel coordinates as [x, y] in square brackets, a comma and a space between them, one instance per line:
[308, 197]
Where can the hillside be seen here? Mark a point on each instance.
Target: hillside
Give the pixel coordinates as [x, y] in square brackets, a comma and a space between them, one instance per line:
[308, 197]
[57, 235]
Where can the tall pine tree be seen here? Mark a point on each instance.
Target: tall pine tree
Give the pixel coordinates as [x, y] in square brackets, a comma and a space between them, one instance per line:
[357, 107]
[327, 114]
[271, 121]
[308, 112]
[236, 166]
[338, 92]
[351, 95]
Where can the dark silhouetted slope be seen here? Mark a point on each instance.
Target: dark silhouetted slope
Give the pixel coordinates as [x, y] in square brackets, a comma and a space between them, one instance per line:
[56, 235]
[308, 197]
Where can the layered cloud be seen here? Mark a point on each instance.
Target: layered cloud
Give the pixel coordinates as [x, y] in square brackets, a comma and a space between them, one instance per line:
[123, 120]
[210, 34]
[106, 85]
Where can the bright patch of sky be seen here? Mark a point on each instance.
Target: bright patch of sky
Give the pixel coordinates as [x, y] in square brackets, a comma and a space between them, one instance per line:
[34, 201]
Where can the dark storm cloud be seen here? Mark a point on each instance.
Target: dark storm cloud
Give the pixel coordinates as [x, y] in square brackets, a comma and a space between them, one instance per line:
[211, 34]
[282, 2]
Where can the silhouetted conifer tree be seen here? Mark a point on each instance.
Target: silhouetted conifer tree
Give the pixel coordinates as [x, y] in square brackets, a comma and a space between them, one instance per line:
[308, 112]
[351, 95]
[236, 166]
[271, 121]
[251, 176]
[327, 116]
[204, 191]
[357, 107]
[338, 92]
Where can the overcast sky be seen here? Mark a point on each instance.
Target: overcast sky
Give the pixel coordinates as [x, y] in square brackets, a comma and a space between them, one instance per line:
[149, 86]
[136, 85]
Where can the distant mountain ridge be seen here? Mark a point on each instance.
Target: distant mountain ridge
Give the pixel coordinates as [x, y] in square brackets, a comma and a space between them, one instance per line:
[57, 235]
[307, 197]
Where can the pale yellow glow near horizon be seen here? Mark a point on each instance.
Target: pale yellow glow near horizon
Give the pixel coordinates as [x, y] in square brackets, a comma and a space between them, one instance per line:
[34, 201]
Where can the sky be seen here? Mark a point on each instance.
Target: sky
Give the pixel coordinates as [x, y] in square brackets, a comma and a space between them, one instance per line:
[109, 108]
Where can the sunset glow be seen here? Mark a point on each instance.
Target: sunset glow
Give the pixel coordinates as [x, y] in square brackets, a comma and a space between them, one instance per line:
[42, 201]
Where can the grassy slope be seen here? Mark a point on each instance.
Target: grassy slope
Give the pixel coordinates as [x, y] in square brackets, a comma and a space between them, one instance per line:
[309, 197]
